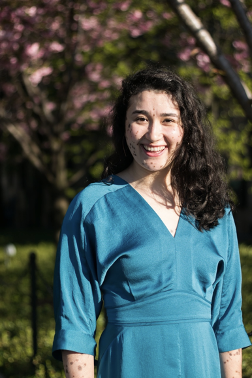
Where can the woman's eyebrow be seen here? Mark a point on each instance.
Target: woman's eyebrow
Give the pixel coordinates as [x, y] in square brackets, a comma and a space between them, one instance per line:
[169, 115]
[162, 115]
[140, 112]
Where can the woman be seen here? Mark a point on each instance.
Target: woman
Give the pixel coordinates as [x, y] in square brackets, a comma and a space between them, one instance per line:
[156, 236]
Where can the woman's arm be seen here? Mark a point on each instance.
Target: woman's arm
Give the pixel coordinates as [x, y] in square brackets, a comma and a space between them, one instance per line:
[78, 365]
[231, 364]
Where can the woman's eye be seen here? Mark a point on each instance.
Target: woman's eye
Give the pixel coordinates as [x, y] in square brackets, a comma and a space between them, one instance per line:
[141, 119]
[169, 120]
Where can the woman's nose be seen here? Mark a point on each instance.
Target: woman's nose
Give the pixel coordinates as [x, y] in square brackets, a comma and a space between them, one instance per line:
[154, 131]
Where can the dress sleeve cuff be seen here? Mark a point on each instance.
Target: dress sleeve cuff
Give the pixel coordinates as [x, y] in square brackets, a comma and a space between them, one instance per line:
[73, 341]
[233, 339]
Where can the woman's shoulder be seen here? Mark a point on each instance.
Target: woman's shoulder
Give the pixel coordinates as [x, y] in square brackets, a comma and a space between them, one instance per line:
[89, 196]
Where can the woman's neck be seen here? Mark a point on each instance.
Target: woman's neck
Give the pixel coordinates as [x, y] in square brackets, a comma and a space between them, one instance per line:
[147, 180]
[155, 185]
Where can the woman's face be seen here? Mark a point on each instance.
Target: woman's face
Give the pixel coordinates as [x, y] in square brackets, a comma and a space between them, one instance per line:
[153, 129]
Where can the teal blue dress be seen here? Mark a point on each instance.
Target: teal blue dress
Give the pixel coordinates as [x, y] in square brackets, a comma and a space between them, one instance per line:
[172, 303]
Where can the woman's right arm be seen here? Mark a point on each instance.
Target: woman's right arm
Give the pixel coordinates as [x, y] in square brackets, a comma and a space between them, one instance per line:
[78, 365]
[77, 295]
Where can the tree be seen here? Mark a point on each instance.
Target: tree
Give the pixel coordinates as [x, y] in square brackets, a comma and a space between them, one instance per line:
[56, 82]
[215, 37]
[210, 47]
[62, 62]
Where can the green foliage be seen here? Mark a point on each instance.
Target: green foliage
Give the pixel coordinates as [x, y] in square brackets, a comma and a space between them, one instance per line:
[246, 264]
[16, 349]
[16, 353]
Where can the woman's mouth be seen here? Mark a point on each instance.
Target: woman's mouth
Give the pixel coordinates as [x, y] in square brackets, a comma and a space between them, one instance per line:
[153, 151]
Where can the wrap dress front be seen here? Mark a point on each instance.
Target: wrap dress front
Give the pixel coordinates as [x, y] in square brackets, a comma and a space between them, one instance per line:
[172, 303]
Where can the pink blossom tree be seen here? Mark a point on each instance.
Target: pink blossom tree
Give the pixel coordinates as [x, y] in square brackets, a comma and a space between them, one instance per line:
[60, 64]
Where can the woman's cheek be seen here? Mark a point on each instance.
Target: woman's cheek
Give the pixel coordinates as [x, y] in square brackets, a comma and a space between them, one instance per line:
[131, 139]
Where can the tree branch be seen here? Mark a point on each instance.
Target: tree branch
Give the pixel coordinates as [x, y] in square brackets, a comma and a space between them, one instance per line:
[79, 174]
[208, 45]
[242, 18]
[29, 147]
[35, 91]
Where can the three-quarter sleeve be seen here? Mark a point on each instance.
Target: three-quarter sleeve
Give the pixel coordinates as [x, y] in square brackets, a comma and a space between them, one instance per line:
[227, 316]
[77, 296]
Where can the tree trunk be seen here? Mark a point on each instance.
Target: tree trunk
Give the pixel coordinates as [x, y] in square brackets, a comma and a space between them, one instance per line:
[60, 202]
[60, 206]
[208, 45]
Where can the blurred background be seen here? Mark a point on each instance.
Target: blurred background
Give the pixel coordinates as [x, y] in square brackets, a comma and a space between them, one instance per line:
[61, 64]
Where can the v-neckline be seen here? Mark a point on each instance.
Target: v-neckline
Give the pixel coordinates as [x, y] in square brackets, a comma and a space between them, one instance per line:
[150, 207]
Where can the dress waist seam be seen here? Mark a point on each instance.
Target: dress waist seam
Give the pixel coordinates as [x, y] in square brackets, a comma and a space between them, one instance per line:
[159, 322]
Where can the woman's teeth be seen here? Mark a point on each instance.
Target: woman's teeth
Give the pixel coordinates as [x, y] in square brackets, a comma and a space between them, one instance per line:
[154, 149]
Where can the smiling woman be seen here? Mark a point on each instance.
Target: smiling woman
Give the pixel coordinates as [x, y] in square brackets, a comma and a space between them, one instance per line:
[156, 238]
[153, 130]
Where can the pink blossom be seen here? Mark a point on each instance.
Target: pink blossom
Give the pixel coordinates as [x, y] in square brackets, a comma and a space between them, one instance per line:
[190, 40]
[20, 114]
[123, 6]
[55, 25]
[86, 48]
[36, 100]
[136, 15]
[240, 45]
[4, 45]
[167, 15]
[147, 25]
[79, 58]
[50, 105]
[89, 23]
[241, 56]
[150, 14]
[56, 47]
[94, 71]
[8, 88]
[226, 3]
[31, 11]
[104, 84]
[109, 131]
[19, 27]
[203, 61]
[24, 66]
[65, 136]
[118, 81]
[13, 60]
[185, 54]
[32, 50]
[33, 124]
[37, 76]
[25, 127]
[61, 8]
[135, 32]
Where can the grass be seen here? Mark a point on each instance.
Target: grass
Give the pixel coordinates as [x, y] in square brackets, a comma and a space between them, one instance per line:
[16, 349]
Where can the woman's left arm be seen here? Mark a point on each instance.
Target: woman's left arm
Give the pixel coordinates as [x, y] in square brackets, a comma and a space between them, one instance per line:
[231, 364]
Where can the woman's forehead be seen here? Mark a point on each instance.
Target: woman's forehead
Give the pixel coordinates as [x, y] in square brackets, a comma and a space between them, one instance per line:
[152, 97]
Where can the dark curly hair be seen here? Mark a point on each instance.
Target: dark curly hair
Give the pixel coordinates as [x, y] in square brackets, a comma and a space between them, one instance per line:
[197, 172]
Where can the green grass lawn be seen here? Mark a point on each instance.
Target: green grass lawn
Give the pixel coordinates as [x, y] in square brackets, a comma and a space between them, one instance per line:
[16, 351]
